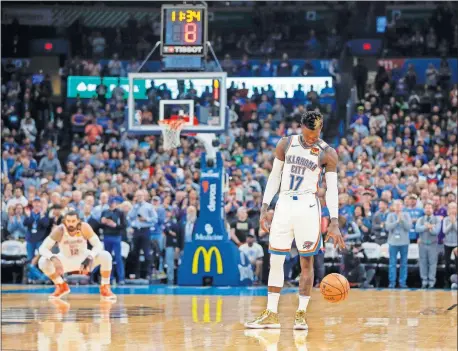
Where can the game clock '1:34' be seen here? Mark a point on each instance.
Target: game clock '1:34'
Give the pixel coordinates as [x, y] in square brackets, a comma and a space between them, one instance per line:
[183, 30]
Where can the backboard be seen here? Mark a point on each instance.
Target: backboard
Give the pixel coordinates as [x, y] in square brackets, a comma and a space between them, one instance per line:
[201, 96]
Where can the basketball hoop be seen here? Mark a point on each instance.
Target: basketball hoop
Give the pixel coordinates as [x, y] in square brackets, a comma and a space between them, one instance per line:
[171, 130]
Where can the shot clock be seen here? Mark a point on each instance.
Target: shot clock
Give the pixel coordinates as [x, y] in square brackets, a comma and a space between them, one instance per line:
[184, 30]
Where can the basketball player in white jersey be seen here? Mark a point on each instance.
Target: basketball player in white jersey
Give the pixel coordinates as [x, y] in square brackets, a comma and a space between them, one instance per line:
[297, 169]
[72, 237]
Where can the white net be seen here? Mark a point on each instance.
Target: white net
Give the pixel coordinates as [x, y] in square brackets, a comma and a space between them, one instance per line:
[171, 130]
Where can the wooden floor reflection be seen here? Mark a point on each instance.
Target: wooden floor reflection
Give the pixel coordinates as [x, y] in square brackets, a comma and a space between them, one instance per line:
[368, 320]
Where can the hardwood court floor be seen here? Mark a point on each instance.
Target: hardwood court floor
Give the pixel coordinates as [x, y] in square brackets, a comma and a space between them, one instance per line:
[369, 320]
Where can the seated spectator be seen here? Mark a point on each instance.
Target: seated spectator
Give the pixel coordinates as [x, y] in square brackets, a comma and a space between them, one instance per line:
[16, 226]
[115, 66]
[349, 230]
[18, 199]
[255, 254]
[50, 164]
[364, 223]
[93, 131]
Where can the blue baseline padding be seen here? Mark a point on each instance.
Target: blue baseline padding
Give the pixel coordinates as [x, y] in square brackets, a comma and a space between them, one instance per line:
[175, 290]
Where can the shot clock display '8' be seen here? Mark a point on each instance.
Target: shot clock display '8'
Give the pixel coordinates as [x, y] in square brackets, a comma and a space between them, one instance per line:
[184, 30]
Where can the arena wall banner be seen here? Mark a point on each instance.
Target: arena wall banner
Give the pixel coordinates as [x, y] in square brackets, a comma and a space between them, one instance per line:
[85, 86]
[399, 66]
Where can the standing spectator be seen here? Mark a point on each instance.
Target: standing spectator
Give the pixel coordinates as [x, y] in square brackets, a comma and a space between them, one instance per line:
[113, 223]
[378, 234]
[172, 245]
[428, 227]
[241, 227]
[360, 75]
[255, 254]
[157, 231]
[37, 223]
[431, 76]
[284, 67]
[187, 226]
[450, 230]
[410, 78]
[398, 225]
[414, 212]
[142, 218]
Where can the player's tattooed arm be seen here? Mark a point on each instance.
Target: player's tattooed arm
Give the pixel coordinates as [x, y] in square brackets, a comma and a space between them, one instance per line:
[273, 183]
[330, 160]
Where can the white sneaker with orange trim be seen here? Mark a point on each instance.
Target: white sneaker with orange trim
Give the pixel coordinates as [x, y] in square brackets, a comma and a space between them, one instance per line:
[61, 291]
[106, 294]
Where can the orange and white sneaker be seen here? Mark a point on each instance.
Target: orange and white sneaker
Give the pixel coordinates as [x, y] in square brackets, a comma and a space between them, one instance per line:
[61, 291]
[106, 294]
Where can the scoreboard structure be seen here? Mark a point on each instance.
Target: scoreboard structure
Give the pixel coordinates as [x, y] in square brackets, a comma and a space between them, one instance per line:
[184, 30]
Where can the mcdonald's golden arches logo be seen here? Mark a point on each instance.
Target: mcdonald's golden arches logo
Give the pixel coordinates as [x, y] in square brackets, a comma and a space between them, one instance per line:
[207, 254]
[206, 312]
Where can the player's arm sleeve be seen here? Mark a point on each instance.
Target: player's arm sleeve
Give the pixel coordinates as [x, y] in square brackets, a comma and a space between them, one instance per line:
[93, 239]
[273, 183]
[332, 191]
[49, 242]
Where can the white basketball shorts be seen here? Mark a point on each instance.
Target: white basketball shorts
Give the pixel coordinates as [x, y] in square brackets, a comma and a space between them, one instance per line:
[73, 263]
[296, 217]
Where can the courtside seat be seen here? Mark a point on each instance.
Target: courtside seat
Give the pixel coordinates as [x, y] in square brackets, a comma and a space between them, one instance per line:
[413, 258]
[14, 258]
[125, 249]
[384, 255]
[413, 254]
[372, 251]
[329, 255]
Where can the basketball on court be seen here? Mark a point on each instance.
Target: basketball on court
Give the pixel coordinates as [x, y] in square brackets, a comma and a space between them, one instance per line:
[334, 287]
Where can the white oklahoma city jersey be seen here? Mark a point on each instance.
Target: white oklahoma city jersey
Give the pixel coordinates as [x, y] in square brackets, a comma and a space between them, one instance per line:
[301, 170]
[297, 212]
[72, 246]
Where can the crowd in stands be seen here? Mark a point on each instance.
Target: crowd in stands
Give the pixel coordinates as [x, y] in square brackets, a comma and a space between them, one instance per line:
[399, 157]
